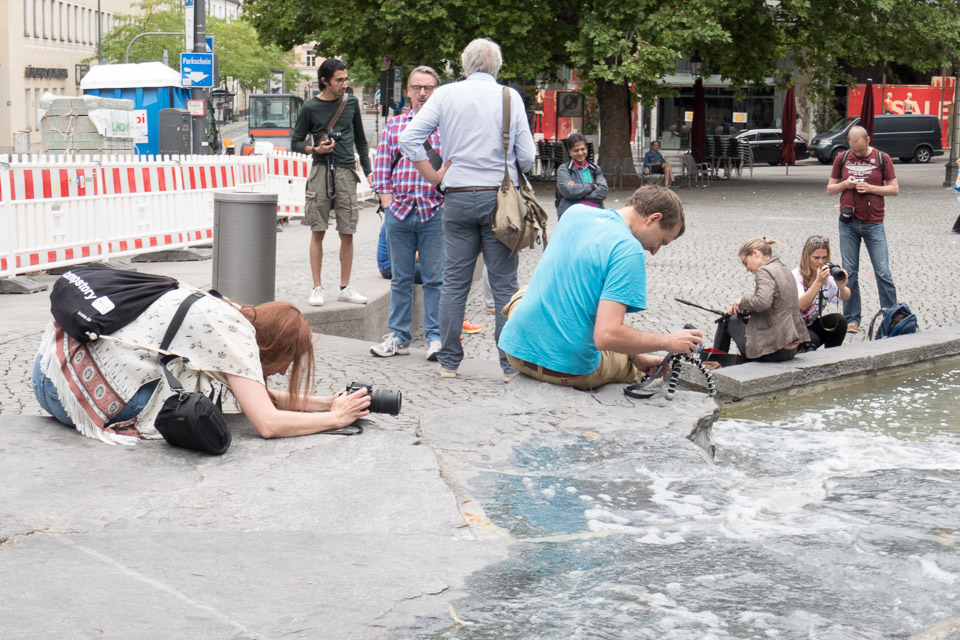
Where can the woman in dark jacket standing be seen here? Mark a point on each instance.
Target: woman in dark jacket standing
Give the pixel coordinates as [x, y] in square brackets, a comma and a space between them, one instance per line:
[579, 181]
[775, 328]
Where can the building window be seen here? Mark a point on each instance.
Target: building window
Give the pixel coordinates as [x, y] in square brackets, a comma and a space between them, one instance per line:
[311, 58]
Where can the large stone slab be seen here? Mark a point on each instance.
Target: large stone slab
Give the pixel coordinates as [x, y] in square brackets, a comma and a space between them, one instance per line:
[808, 372]
[328, 536]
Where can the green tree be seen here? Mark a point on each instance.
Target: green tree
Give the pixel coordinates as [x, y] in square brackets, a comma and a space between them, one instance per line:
[624, 48]
[239, 51]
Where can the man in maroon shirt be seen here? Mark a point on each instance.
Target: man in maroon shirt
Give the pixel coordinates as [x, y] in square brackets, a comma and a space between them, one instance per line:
[862, 177]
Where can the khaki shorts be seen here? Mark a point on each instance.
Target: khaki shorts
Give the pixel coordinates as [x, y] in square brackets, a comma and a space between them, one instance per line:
[613, 367]
[316, 213]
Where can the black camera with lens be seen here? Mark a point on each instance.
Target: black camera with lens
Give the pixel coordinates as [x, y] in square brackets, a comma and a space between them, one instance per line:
[381, 400]
[331, 135]
[846, 214]
[836, 271]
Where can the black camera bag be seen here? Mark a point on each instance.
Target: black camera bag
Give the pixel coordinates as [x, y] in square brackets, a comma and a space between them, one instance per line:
[88, 302]
[190, 419]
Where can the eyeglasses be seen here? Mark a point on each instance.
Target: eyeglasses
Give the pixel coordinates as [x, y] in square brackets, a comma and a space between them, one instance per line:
[417, 88]
[342, 80]
[819, 241]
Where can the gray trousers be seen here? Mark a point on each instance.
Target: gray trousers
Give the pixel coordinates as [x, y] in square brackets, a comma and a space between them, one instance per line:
[467, 232]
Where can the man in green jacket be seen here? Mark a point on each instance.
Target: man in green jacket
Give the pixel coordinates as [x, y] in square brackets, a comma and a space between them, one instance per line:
[332, 185]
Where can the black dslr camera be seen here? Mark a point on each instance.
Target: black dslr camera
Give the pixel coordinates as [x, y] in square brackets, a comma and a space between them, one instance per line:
[836, 272]
[381, 400]
[331, 135]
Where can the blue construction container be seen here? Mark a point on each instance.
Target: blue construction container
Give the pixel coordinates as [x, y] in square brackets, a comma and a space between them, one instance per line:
[151, 86]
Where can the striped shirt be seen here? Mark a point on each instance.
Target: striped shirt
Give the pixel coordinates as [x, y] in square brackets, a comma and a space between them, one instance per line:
[407, 187]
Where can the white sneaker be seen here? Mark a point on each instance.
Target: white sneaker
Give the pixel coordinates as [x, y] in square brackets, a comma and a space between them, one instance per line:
[349, 294]
[316, 297]
[432, 348]
[391, 346]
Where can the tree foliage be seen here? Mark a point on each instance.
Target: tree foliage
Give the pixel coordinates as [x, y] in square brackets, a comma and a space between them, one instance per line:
[624, 48]
[239, 50]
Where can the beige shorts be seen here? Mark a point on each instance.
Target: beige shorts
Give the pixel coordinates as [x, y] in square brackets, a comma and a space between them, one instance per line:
[316, 213]
[613, 367]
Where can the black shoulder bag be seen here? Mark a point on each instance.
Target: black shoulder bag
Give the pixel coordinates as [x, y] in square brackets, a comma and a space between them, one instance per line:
[190, 419]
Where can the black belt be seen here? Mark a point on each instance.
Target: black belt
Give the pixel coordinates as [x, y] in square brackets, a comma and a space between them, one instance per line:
[545, 371]
[468, 189]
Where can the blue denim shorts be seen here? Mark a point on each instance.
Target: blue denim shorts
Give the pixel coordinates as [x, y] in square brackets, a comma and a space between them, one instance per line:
[49, 399]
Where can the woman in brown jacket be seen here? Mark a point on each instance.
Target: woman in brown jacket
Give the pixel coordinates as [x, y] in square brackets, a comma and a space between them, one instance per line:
[775, 327]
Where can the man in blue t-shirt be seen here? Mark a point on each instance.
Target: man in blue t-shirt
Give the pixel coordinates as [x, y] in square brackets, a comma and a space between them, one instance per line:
[568, 327]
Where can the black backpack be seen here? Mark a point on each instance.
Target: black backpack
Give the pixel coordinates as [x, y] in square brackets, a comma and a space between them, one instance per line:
[88, 302]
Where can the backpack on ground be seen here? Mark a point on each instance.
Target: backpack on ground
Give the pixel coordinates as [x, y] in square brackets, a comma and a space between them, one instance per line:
[898, 320]
[88, 302]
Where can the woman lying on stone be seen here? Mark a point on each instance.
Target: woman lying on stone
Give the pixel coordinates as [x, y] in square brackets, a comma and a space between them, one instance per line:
[774, 329]
[114, 392]
[816, 288]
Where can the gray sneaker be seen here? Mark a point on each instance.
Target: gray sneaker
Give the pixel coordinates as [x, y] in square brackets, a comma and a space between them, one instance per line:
[391, 346]
[432, 348]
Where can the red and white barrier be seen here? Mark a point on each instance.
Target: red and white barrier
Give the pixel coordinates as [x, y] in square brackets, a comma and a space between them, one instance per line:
[58, 211]
[286, 175]
[48, 215]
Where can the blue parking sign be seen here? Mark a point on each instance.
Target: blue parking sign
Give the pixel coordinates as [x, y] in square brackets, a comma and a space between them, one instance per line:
[196, 70]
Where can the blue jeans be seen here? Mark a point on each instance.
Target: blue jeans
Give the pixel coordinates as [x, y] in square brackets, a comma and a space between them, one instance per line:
[404, 239]
[875, 239]
[467, 231]
[46, 395]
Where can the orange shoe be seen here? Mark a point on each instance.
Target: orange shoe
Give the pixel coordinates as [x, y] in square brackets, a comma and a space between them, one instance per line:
[469, 327]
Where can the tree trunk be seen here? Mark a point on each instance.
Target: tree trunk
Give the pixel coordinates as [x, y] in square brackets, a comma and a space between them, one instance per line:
[614, 102]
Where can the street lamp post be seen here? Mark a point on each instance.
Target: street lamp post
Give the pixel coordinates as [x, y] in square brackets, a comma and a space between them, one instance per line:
[99, 35]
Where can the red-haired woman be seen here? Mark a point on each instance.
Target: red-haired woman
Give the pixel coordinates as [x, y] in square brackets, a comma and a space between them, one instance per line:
[113, 392]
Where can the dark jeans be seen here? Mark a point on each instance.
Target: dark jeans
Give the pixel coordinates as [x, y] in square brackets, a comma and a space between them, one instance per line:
[736, 328]
[467, 232]
[828, 331]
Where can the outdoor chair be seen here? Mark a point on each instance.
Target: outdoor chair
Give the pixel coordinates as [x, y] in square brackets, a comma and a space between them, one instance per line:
[696, 172]
[745, 154]
[625, 171]
[611, 171]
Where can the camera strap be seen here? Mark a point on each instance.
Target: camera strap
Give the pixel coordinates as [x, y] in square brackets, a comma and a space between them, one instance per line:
[336, 116]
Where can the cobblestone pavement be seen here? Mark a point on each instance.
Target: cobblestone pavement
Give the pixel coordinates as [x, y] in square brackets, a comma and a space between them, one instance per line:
[701, 266]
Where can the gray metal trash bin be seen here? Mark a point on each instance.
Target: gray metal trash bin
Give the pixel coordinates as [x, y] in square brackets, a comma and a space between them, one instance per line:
[245, 245]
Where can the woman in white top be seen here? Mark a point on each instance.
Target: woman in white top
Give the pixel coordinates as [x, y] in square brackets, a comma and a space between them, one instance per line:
[113, 391]
[816, 288]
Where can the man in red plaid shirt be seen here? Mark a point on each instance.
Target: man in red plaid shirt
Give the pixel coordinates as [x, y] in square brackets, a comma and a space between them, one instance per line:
[413, 210]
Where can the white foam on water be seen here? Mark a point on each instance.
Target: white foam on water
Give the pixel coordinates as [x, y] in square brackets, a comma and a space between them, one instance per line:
[799, 465]
[606, 516]
[930, 568]
[786, 471]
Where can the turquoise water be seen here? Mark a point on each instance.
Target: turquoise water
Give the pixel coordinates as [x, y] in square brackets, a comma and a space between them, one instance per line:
[829, 517]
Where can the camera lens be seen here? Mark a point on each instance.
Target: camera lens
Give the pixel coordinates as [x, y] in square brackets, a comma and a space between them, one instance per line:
[386, 401]
[835, 271]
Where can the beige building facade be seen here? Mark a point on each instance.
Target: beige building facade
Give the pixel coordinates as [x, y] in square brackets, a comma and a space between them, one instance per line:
[42, 47]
